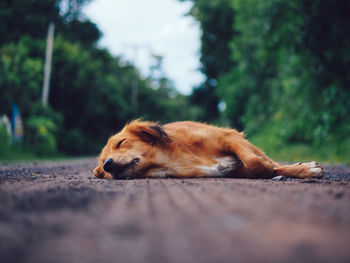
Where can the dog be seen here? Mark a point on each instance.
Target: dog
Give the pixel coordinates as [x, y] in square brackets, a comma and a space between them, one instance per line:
[187, 149]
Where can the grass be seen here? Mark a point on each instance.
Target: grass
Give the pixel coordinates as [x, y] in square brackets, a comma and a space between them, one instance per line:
[21, 154]
[325, 153]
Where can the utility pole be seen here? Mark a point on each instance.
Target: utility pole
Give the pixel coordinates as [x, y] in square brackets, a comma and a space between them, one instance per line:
[135, 95]
[135, 86]
[47, 69]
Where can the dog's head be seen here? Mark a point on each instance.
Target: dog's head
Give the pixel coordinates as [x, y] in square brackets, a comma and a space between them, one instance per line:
[131, 152]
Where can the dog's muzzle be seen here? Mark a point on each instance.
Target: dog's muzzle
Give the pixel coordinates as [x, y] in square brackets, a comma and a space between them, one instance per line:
[118, 170]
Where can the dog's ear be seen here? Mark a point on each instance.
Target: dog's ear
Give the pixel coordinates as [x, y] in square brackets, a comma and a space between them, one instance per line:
[154, 134]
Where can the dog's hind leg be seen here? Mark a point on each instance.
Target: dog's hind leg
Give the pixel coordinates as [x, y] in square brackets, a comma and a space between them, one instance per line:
[300, 170]
[255, 164]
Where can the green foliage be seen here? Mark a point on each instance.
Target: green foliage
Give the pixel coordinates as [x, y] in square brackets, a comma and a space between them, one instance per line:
[273, 144]
[20, 18]
[41, 130]
[86, 90]
[216, 18]
[84, 32]
[287, 71]
[280, 66]
[5, 141]
[21, 76]
[40, 135]
[29, 17]
[90, 90]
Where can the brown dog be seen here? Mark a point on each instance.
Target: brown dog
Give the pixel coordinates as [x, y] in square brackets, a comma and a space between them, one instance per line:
[189, 149]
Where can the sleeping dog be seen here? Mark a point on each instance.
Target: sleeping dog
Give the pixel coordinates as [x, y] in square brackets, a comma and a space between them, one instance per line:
[189, 149]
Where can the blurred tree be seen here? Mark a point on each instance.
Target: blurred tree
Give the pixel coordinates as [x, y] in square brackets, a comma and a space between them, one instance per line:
[21, 76]
[216, 19]
[163, 102]
[246, 88]
[71, 10]
[32, 17]
[90, 88]
[304, 64]
[26, 17]
[84, 32]
[285, 68]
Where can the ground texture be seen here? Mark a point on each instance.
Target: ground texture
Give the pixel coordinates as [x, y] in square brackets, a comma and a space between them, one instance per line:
[58, 212]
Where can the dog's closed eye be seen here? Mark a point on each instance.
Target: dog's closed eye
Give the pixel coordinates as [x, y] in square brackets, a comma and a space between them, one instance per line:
[119, 144]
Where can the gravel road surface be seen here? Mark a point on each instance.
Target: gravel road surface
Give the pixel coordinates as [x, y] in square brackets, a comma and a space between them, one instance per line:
[58, 212]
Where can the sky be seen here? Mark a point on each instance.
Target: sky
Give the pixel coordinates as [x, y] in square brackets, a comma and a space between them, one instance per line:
[135, 29]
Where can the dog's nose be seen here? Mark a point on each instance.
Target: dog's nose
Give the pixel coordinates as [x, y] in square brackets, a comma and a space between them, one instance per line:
[108, 165]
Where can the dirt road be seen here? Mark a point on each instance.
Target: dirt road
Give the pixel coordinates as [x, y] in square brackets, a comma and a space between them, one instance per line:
[58, 212]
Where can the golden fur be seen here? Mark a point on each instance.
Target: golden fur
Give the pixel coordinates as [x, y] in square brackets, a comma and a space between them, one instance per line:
[189, 149]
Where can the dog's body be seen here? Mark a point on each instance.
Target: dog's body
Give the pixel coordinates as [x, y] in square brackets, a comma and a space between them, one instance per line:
[189, 149]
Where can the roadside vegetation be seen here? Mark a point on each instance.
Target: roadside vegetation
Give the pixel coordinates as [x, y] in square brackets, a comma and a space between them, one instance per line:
[278, 69]
[90, 93]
